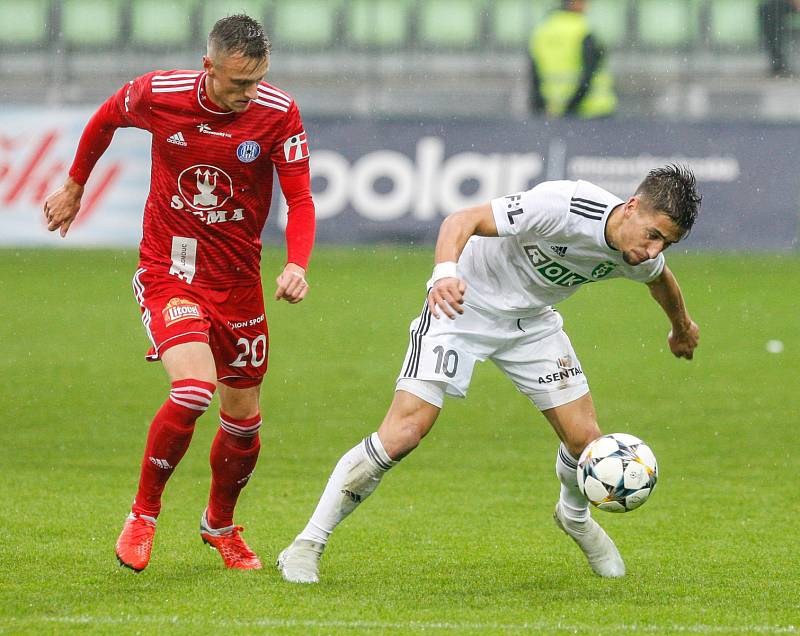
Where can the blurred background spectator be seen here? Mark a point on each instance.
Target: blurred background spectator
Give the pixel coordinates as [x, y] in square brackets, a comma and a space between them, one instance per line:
[568, 71]
[775, 30]
[420, 107]
[671, 59]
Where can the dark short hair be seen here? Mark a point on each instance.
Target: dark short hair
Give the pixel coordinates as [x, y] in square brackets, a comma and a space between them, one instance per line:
[239, 34]
[672, 190]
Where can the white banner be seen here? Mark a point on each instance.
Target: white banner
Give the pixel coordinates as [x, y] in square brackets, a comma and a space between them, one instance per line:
[377, 181]
[36, 150]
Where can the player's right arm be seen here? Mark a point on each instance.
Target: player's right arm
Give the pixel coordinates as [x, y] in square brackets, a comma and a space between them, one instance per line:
[540, 211]
[125, 108]
[447, 291]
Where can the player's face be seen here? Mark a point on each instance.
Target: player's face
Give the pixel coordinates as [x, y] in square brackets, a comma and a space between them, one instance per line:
[233, 79]
[644, 233]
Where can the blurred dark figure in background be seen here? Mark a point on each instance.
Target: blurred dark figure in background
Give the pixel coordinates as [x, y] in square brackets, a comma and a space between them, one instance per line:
[568, 74]
[774, 15]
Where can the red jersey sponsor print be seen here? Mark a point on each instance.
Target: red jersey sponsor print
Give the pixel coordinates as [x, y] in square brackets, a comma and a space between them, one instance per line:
[211, 182]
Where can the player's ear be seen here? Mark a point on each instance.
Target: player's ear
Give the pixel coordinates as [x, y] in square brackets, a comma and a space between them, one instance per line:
[631, 205]
[208, 65]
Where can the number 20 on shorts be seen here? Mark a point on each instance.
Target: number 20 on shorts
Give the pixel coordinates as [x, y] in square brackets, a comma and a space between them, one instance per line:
[256, 350]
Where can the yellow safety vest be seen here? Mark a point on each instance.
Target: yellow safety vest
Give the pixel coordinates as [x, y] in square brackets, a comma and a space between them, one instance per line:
[556, 47]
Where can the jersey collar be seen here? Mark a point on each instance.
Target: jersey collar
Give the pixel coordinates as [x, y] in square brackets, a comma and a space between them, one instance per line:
[205, 102]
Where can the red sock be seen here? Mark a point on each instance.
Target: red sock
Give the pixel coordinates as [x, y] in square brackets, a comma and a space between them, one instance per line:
[233, 458]
[167, 441]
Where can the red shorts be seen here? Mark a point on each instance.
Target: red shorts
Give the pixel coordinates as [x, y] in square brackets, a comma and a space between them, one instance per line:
[232, 322]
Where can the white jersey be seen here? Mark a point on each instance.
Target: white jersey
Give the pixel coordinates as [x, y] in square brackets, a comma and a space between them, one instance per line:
[551, 241]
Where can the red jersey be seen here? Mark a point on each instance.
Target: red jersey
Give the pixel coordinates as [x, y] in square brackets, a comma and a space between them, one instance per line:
[211, 177]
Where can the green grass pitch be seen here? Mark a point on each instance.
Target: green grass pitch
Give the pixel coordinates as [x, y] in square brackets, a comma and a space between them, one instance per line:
[459, 537]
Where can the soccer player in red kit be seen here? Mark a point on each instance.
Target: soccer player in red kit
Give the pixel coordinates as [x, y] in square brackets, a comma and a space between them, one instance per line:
[216, 135]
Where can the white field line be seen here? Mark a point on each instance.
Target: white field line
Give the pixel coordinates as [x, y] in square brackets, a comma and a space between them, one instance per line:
[539, 626]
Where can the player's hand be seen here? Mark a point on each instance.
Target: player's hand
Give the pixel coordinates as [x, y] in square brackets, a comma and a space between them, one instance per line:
[61, 207]
[684, 340]
[292, 285]
[447, 294]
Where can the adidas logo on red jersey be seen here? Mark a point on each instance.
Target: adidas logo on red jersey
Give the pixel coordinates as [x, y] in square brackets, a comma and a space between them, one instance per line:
[177, 139]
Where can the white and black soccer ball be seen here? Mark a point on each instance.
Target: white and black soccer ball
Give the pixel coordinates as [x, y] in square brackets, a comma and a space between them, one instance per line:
[617, 472]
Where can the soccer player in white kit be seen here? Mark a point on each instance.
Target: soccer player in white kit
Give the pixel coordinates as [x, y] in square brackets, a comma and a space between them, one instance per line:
[499, 269]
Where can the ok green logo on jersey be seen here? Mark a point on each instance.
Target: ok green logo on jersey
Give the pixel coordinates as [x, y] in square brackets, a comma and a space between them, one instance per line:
[559, 274]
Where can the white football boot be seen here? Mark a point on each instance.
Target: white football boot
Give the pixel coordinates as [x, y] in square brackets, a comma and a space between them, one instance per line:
[299, 562]
[600, 551]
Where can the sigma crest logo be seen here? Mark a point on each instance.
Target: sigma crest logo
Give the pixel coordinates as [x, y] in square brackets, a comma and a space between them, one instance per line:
[248, 151]
[296, 148]
[204, 187]
[178, 309]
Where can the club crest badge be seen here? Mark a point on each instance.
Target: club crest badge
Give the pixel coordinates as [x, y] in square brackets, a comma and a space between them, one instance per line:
[248, 151]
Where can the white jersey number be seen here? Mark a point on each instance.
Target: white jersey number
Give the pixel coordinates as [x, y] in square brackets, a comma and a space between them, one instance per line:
[251, 349]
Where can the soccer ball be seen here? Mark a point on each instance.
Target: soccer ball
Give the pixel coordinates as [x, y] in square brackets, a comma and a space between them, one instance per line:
[617, 472]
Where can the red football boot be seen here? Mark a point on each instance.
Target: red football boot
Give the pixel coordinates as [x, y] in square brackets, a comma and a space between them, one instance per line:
[229, 543]
[136, 541]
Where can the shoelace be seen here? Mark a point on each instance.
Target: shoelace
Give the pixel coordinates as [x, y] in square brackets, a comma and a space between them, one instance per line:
[141, 528]
[236, 541]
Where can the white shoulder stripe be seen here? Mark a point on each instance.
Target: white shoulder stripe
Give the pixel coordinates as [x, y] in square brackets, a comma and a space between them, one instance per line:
[174, 79]
[272, 98]
[271, 105]
[269, 87]
[275, 92]
[176, 76]
[175, 83]
[172, 89]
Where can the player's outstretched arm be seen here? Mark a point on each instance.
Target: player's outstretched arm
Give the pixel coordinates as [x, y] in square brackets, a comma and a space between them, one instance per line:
[62, 206]
[292, 284]
[684, 336]
[447, 292]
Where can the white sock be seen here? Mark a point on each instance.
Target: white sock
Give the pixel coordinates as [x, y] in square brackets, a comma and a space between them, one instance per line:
[355, 477]
[574, 505]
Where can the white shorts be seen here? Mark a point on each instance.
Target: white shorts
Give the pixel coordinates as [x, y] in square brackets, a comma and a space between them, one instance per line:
[534, 353]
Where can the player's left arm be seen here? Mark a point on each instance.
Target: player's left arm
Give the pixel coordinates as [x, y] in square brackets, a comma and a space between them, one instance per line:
[290, 156]
[684, 336]
[447, 292]
[300, 228]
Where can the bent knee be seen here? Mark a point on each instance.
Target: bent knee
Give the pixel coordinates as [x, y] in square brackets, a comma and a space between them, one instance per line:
[192, 394]
[581, 439]
[402, 435]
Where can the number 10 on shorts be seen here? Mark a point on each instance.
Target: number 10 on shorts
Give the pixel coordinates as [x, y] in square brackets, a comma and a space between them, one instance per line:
[441, 362]
[446, 361]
